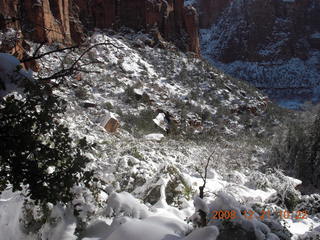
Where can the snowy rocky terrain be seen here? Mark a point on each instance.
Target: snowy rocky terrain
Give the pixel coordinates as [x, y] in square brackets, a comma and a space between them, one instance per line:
[174, 111]
[274, 45]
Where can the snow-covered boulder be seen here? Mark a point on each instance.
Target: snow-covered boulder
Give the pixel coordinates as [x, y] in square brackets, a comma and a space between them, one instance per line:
[154, 137]
[10, 70]
[161, 121]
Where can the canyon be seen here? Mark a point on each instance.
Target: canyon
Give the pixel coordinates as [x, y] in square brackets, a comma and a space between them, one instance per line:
[275, 45]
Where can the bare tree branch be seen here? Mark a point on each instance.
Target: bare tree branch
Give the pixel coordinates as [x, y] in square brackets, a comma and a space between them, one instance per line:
[71, 69]
[36, 57]
[204, 175]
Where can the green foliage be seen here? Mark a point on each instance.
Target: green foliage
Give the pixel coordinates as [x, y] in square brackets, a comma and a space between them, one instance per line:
[142, 123]
[37, 151]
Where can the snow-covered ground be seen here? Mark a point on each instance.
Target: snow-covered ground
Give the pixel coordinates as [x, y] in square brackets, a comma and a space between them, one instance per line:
[151, 178]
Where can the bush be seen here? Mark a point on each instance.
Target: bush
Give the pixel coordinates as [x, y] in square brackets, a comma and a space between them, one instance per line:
[36, 151]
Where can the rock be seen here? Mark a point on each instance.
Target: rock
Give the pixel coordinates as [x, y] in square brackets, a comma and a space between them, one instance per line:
[260, 30]
[110, 123]
[236, 232]
[154, 137]
[191, 22]
[66, 21]
[18, 47]
[210, 10]
[88, 104]
[314, 40]
[161, 121]
[47, 20]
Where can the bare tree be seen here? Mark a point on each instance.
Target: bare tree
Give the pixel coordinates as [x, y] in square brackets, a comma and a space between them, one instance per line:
[204, 175]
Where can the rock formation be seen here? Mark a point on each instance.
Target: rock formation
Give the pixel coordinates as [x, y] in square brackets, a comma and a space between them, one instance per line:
[261, 30]
[65, 21]
[210, 10]
[273, 44]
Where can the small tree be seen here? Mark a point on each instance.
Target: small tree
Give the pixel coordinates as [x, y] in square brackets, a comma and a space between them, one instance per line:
[36, 151]
[204, 174]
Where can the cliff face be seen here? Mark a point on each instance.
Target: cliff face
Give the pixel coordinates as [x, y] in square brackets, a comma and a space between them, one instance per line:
[65, 21]
[261, 30]
[274, 44]
[210, 10]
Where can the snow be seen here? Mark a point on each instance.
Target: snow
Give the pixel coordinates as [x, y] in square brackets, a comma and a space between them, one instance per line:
[190, 2]
[315, 35]
[161, 121]
[124, 203]
[206, 233]
[154, 137]
[10, 203]
[153, 228]
[131, 164]
[10, 70]
[8, 63]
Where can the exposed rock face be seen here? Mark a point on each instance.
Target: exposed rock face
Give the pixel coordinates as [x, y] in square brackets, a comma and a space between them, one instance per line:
[273, 44]
[47, 20]
[8, 9]
[191, 20]
[65, 20]
[260, 30]
[210, 10]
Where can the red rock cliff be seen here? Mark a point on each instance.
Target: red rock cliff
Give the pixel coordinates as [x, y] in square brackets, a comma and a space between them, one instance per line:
[65, 20]
[210, 10]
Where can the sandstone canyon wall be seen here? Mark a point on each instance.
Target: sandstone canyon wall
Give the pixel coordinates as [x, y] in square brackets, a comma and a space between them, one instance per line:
[274, 44]
[66, 21]
[247, 29]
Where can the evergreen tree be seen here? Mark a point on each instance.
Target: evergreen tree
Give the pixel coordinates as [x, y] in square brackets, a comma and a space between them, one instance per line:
[36, 151]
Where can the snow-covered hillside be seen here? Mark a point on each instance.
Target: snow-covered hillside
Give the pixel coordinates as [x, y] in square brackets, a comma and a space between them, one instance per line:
[271, 44]
[174, 111]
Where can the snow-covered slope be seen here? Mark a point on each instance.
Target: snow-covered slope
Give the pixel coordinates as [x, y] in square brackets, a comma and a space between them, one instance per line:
[149, 182]
[271, 44]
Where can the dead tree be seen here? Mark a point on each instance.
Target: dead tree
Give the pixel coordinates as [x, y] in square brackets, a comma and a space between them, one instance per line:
[204, 175]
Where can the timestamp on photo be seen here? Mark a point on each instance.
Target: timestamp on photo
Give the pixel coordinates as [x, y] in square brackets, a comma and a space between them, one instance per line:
[264, 214]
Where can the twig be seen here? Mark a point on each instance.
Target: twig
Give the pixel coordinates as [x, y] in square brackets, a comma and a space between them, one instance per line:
[28, 59]
[68, 71]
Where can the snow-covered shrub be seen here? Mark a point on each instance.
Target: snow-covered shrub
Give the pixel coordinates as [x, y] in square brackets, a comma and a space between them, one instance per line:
[130, 173]
[124, 204]
[33, 217]
[309, 203]
[177, 189]
[310, 235]
[258, 180]
[286, 196]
